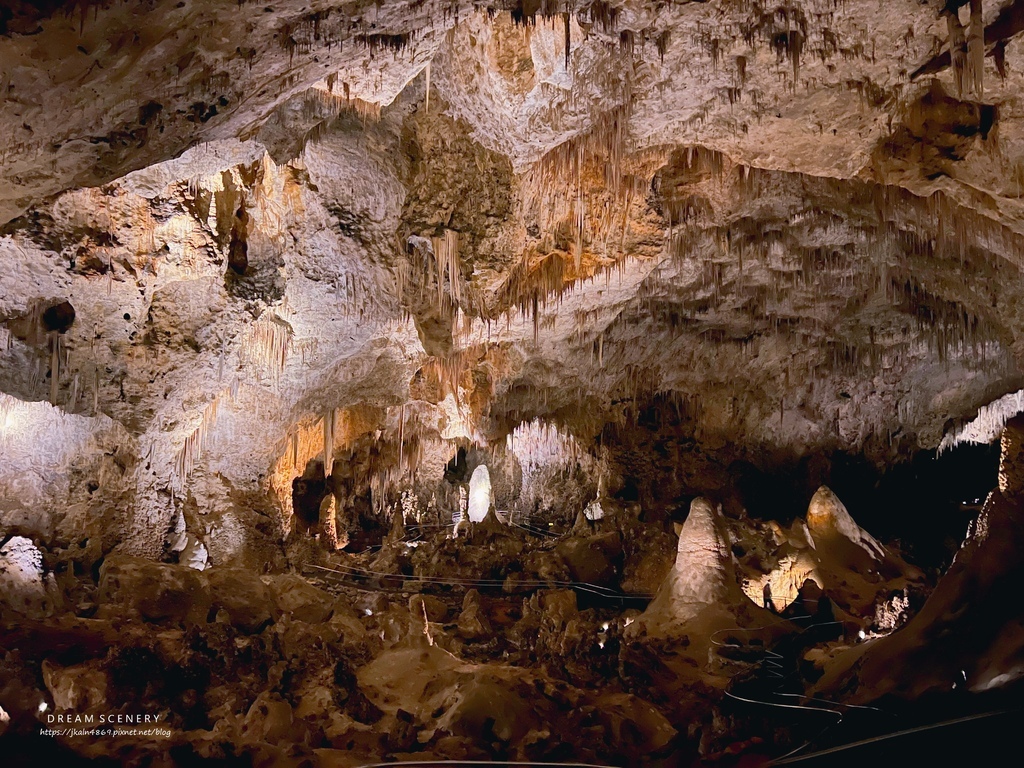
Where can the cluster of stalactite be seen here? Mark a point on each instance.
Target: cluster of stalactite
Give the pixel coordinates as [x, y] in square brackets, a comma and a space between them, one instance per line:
[581, 182]
[986, 426]
[324, 105]
[446, 259]
[870, 237]
[539, 443]
[301, 445]
[431, 276]
[967, 48]
[266, 344]
[44, 326]
[198, 440]
[379, 450]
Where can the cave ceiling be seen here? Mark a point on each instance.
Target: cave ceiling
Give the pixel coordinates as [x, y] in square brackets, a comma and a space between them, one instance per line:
[798, 224]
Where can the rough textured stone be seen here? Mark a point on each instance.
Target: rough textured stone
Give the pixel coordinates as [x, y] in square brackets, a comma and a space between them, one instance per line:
[299, 599]
[151, 591]
[279, 279]
[246, 601]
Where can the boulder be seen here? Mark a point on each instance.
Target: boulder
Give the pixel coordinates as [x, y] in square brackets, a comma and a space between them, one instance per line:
[473, 623]
[592, 560]
[80, 688]
[489, 708]
[299, 599]
[268, 719]
[159, 592]
[246, 602]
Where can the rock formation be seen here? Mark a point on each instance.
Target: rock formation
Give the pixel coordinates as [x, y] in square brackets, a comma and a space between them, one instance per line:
[408, 380]
[703, 574]
[966, 635]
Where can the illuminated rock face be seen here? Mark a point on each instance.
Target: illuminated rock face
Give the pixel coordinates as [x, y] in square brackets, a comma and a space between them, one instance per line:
[1011, 459]
[829, 548]
[829, 521]
[967, 635]
[479, 494]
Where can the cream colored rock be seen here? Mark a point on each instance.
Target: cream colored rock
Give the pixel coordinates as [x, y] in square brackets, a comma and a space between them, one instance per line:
[482, 700]
[829, 521]
[268, 719]
[24, 587]
[78, 689]
[703, 574]
[473, 623]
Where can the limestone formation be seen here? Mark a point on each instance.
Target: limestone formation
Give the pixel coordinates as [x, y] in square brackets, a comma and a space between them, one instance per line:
[479, 494]
[407, 381]
[702, 577]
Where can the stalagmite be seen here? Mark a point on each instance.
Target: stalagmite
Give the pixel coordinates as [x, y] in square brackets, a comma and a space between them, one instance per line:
[479, 494]
[828, 519]
[452, 367]
[703, 574]
[24, 586]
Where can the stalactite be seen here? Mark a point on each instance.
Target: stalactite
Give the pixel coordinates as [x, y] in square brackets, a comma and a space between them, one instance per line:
[267, 342]
[197, 441]
[582, 181]
[446, 258]
[72, 402]
[566, 18]
[328, 422]
[957, 50]
[401, 436]
[300, 446]
[539, 443]
[55, 350]
[396, 43]
[987, 425]
[426, 90]
[976, 51]
[605, 14]
[325, 106]
[319, 100]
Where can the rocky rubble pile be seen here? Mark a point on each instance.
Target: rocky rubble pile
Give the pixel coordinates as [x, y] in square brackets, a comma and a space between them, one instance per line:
[497, 644]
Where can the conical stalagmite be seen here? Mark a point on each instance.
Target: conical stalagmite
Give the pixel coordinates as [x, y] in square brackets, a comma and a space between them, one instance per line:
[701, 593]
[703, 574]
[855, 569]
[828, 520]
